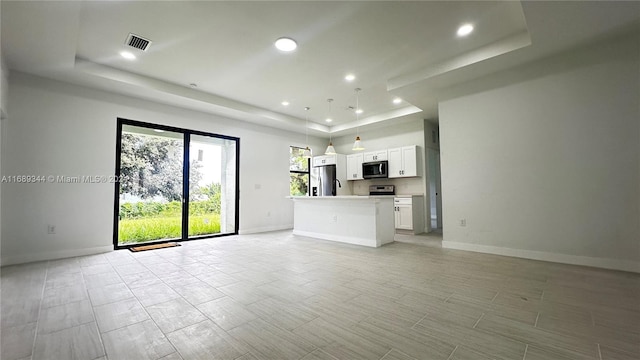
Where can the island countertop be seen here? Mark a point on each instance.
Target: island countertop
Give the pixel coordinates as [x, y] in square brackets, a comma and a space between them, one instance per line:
[361, 220]
[343, 197]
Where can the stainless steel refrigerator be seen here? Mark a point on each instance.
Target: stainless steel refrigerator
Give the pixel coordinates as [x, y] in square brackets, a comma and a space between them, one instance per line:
[327, 181]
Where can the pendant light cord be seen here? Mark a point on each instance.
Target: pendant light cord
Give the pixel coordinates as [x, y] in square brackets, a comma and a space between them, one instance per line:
[357, 115]
[330, 113]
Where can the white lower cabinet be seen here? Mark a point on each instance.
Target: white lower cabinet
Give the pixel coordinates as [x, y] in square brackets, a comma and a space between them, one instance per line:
[409, 213]
[404, 214]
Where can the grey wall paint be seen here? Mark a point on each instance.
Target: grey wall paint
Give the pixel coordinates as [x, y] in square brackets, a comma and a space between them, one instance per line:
[549, 160]
[62, 129]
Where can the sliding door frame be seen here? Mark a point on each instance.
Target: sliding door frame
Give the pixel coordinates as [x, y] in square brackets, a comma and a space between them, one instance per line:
[185, 183]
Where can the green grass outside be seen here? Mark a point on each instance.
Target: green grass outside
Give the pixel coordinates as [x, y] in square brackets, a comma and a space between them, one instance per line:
[169, 227]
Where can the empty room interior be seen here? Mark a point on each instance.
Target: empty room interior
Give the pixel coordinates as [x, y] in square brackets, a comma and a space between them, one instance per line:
[463, 180]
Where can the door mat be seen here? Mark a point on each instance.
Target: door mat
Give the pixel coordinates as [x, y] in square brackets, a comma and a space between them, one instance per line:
[153, 247]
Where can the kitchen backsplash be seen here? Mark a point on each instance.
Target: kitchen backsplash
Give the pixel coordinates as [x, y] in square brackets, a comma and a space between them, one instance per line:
[404, 186]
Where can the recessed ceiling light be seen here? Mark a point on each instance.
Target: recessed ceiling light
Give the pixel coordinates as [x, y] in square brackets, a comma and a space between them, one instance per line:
[350, 77]
[329, 120]
[285, 103]
[158, 130]
[397, 101]
[127, 55]
[359, 111]
[465, 30]
[286, 44]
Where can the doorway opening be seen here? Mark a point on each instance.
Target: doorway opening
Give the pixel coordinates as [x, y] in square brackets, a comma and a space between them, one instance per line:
[435, 190]
[174, 184]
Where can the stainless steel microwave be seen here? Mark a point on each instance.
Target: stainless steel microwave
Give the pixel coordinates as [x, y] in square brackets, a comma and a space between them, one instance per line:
[375, 169]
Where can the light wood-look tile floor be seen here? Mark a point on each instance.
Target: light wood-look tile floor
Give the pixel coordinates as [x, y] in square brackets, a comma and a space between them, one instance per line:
[278, 296]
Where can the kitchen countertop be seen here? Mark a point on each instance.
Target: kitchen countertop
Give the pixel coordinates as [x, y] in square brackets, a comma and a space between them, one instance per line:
[341, 197]
[351, 197]
[408, 195]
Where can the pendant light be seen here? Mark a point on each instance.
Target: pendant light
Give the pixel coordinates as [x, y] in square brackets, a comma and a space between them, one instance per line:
[357, 145]
[330, 149]
[307, 152]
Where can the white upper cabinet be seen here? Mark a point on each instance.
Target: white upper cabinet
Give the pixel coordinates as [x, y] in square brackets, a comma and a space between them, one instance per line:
[354, 167]
[403, 162]
[375, 156]
[324, 160]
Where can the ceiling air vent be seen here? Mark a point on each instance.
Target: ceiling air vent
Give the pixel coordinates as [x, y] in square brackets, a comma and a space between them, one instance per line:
[138, 42]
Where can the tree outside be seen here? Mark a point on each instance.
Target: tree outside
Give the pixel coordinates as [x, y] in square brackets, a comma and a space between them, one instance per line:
[298, 172]
[151, 191]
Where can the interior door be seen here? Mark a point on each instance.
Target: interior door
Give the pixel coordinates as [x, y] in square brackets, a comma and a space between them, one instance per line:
[438, 191]
[435, 200]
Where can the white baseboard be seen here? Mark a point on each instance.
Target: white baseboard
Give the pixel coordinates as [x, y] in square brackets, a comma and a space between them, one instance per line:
[605, 263]
[53, 255]
[265, 229]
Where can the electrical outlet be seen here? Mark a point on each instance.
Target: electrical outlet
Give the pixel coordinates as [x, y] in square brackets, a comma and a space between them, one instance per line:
[268, 213]
[51, 229]
[463, 222]
[335, 218]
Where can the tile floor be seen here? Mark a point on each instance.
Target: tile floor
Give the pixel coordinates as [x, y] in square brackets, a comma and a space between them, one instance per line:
[278, 296]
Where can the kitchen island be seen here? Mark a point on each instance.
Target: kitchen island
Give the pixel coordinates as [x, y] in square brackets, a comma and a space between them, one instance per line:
[359, 220]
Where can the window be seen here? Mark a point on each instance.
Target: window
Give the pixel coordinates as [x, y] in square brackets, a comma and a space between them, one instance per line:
[298, 172]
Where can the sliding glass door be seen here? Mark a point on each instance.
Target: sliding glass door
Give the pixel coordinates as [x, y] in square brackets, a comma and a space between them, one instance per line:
[150, 194]
[212, 185]
[175, 184]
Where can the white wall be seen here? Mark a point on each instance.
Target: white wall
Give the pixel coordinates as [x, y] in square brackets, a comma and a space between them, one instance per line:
[4, 89]
[62, 129]
[548, 166]
[4, 94]
[431, 135]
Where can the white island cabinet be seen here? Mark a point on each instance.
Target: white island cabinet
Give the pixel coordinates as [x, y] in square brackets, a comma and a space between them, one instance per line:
[359, 220]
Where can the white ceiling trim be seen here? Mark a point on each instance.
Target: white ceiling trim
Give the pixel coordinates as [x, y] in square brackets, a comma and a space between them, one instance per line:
[232, 108]
[216, 104]
[500, 47]
[374, 119]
